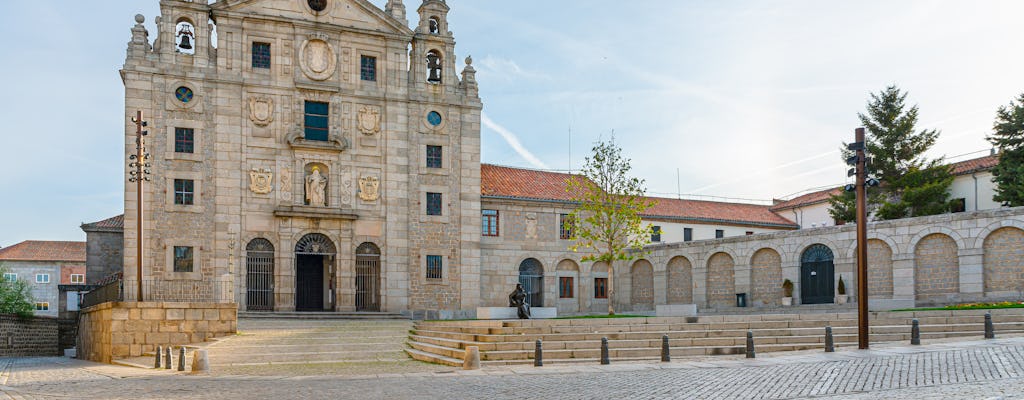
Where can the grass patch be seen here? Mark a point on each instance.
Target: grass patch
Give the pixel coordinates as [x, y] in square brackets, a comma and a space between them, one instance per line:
[604, 316]
[969, 306]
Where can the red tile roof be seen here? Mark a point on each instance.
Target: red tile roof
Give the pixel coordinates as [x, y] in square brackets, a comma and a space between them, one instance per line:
[820, 196]
[36, 250]
[115, 223]
[499, 181]
[978, 164]
[718, 212]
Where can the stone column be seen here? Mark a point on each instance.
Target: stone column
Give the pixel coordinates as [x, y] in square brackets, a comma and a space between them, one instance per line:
[972, 281]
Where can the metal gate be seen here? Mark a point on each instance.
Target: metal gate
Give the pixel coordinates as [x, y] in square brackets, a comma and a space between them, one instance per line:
[531, 276]
[367, 277]
[817, 275]
[259, 276]
[314, 273]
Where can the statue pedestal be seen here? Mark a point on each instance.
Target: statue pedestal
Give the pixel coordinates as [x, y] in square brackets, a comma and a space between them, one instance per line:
[510, 313]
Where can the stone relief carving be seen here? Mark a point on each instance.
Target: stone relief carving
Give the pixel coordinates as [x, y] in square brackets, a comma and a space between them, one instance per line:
[369, 188]
[317, 58]
[285, 186]
[369, 120]
[261, 180]
[346, 191]
[261, 110]
[316, 188]
[531, 225]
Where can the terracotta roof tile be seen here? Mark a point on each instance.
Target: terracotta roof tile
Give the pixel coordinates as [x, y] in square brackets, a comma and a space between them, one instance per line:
[36, 250]
[807, 199]
[978, 164]
[116, 222]
[713, 211]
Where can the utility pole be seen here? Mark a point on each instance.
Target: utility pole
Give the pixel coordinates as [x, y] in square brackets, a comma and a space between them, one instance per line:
[859, 161]
[139, 161]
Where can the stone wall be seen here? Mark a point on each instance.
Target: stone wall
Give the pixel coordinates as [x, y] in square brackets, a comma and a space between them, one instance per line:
[127, 329]
[28, 337]
[104, 254]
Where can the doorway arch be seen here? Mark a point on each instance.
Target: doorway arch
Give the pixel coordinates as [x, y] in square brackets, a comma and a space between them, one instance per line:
[367, 277]
[314, 273]
[259, 275]
[817, 275]
[531, 276]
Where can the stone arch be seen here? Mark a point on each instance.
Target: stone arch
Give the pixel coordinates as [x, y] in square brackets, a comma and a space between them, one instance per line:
[880, 281]
[961, 244]
[435, 66]
[766, 278]
[817, 274]
[531, 276]
[641, 293]
[368, 277]
[679, 275]
[259, 274]
[598, 271]
[810, 242]
[851, 252]
[980, 239]
[721, 280]
[569, 286]
[1003, 262]
[185, 35]
[936, 267]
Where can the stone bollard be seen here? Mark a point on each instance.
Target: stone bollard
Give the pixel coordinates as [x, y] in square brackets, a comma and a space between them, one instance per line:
[538, 355]
[604, 352]
[990, 331]
[200, 362]
[830, 346]
[159, 349]
[181, 358]
[665, 356]
[750, 345]
[915, 332]
[167, 357]
[472, 360]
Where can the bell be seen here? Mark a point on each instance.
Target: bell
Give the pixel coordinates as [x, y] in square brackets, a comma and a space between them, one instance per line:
[185, 43]
[435, 75]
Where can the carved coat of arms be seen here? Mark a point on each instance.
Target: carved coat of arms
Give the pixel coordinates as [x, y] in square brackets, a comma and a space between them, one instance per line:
[261, 110]
[260, 180]
[369, 120]
[317, 58]
[369, 188]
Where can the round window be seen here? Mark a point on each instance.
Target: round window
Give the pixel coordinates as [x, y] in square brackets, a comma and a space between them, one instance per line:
[434, 118]
[184, 94]
[318, 5]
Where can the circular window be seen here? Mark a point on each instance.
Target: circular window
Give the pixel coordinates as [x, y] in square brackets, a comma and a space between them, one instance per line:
[184, 94]
[318, 5]
[434, 118]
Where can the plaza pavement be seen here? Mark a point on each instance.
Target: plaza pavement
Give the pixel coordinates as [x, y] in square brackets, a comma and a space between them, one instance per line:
[979, 369]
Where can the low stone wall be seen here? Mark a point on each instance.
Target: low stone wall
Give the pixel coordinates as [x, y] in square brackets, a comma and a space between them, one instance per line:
[34, 336]
[127, 329]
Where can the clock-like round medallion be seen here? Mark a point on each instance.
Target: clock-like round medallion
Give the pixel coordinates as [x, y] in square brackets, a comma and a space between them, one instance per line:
[184, 94]
[318, 5]
[434, 118]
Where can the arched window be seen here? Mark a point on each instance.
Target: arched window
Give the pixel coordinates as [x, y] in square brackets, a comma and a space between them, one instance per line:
[434, 63]
[185, 37]
[367, 277]
[259, 277]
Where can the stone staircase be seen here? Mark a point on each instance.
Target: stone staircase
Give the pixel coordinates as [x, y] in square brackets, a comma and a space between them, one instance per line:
[578, 340]
[357, 315]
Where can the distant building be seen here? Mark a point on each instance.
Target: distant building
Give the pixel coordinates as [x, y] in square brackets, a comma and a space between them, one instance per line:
[104, 253]
[45, 265]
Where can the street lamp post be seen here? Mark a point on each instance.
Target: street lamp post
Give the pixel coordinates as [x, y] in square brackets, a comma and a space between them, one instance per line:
[140, 163]
[859, 161]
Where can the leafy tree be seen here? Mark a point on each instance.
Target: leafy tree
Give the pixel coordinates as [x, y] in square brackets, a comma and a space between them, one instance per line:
[15, 297]
[609, 204]
[1008, 136]
[911, 185]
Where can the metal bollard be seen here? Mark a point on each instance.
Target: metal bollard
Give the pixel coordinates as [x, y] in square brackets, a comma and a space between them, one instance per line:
[830, 346]
[665, 357]
[915, 332]
[181, 358]
[159, 349]
[538, 355]
[750, 345]
[990, 331]
[167, 357]
[604, 351]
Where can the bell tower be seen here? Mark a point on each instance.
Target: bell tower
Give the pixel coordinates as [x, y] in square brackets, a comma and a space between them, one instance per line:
[433, 49]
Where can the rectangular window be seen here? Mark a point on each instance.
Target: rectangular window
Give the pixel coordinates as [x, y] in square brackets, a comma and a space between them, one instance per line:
[750, 233]
[565, 287]
[42, 278]
[687, 234]
[655, 233]
[261, 55]
[317, 120]
[719, 233]
[77, 278]
[565, 226]
[433, 156]
[433, 203]
[184, 140]
[600, 288]
[73, 301]
[490, 222]
[434, 267]
[184, 192]
[958, 205]
[368, 68]
[183, 259]
[42, 306]
[10, 277]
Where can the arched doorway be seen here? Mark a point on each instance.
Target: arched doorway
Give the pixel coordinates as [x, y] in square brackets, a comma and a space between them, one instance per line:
[817, 275]
[314, 273]
[259, 275]
[531, 276]
[367, 277]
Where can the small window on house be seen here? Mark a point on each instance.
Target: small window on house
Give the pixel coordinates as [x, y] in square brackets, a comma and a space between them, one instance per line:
[368, 68]
[42, 306]
[490, 222]
[566, 224]
[261, 55]
[434, 267]
[317, 120]
[10, 277]
[750, 233]
[42, 278]
[184, 192]
[434, 156]
[433, 203]
[77, 278]
[719, 233]
[183, 261]
[565, 287]
[687, 234]
[656, 233]
[958, 205]
[600, 288]
[184, 140]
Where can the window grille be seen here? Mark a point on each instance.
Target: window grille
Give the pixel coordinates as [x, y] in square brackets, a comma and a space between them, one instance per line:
[434, 157]
[433, 204]
[434, 267]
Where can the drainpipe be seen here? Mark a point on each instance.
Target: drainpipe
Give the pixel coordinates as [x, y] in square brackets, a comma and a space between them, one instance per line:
[799, 223]
[975, 176]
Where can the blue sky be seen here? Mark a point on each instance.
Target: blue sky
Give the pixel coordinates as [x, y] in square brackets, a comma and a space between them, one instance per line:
[746, 99]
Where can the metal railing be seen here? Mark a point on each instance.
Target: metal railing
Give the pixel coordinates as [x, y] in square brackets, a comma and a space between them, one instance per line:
[113, 291]
[203, 291]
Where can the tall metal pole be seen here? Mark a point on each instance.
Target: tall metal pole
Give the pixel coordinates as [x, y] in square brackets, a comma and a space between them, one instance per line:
[862, 244]
[138, 176]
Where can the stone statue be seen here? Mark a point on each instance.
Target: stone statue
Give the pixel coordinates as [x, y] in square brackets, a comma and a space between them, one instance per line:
[517, 299]
[316, 186]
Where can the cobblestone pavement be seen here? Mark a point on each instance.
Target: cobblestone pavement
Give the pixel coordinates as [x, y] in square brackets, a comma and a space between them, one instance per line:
[954, 370]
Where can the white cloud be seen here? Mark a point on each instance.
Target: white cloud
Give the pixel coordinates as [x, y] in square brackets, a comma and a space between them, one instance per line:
[513, 141]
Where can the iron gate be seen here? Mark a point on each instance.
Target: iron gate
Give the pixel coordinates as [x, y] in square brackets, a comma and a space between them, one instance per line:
[531, 276]
[367, 277]
[259, 276]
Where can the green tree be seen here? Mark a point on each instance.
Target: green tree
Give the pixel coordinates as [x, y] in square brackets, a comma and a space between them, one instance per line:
[15, 297]
[607, 216]
[911, 185]
[1008, 137]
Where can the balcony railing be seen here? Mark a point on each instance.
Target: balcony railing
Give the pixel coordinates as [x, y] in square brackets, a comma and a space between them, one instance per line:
[204, 291]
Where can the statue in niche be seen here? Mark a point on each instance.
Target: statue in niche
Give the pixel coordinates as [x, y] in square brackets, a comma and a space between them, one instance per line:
[517, 299]
[316, 188]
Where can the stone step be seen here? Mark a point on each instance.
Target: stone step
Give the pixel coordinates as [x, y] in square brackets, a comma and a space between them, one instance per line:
[393, 354]
[317, 315]
[439, 350]
[433, 358]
